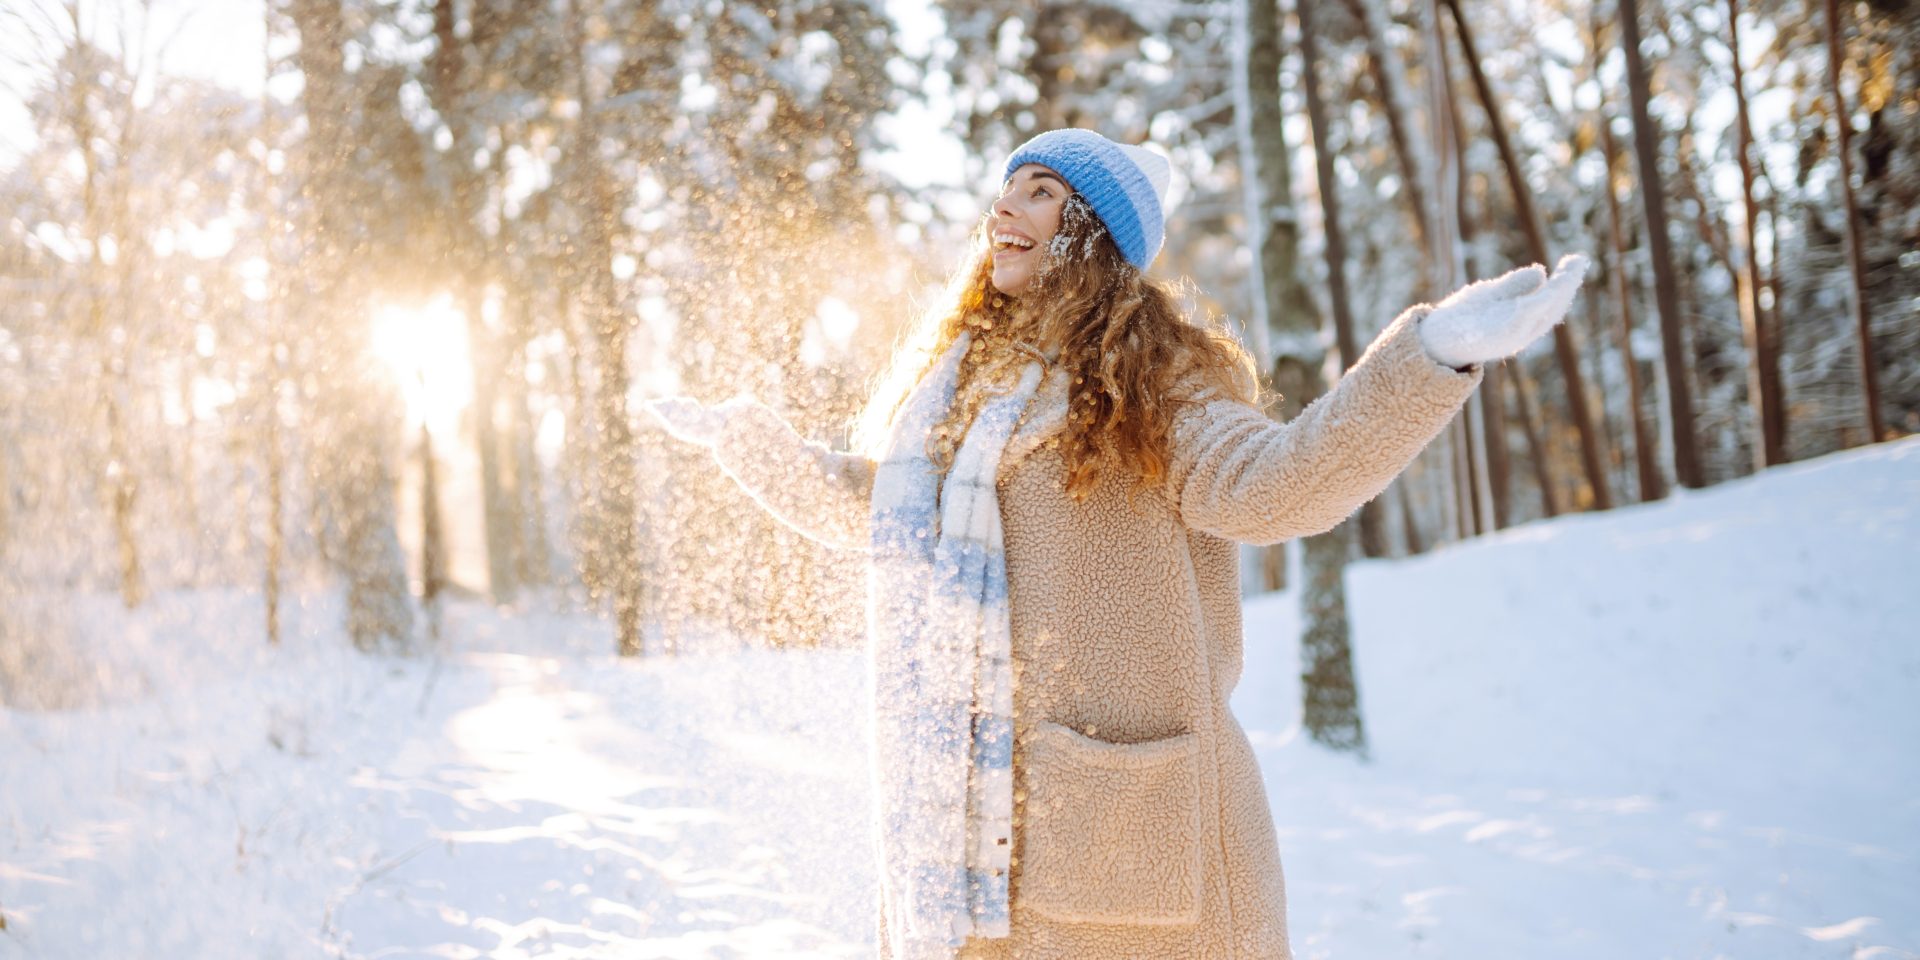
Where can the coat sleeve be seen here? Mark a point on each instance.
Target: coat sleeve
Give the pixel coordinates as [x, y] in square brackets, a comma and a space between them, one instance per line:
[820, 493]
[1239, 475]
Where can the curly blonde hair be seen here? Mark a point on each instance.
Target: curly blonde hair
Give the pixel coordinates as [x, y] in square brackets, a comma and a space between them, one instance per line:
[1131, 353]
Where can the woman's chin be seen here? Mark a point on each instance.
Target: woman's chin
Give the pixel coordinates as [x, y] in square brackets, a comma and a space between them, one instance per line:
[1011, 285]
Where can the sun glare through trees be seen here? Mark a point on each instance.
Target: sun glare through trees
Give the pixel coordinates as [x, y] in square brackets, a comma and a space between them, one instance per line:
[424, 347]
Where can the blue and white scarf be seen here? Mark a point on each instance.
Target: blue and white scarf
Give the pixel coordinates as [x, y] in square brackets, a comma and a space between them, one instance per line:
[941, 644]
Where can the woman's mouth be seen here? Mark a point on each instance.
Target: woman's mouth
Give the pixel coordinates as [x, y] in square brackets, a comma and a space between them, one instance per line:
[1007, 244]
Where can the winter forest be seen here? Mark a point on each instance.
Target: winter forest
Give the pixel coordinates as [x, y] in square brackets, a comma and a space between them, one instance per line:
[351, 605]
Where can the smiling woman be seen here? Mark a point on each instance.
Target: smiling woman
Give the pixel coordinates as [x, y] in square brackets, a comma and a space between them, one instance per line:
[425, 345]
[1049, 514]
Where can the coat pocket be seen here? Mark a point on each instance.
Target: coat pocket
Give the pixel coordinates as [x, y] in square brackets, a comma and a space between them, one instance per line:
[1112, 830]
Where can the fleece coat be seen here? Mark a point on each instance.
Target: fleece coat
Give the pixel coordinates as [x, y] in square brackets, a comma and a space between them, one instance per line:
[1141, 825]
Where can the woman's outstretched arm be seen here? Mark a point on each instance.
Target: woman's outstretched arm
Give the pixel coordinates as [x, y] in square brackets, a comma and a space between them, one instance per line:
[821, 493]
[1238, 474]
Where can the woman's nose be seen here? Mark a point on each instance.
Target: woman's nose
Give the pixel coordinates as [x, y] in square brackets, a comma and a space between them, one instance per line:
[1003, 206]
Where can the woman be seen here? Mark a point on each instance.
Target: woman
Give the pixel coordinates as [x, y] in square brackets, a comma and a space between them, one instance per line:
[1051, 492]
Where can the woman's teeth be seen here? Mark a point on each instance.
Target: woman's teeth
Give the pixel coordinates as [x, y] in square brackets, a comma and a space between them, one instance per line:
[1009, 242]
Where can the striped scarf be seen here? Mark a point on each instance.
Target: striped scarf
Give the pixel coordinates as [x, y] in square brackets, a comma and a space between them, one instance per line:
[941, 646]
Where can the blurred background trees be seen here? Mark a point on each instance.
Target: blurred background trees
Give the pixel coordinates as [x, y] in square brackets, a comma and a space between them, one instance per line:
[242, 321]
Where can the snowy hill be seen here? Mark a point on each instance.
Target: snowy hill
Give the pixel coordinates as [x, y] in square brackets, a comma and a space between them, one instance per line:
[1686, 729]
[1681, 730]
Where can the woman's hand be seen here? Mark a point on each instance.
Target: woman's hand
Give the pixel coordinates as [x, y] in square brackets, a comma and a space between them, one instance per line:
[1495, 319]
[689, 420]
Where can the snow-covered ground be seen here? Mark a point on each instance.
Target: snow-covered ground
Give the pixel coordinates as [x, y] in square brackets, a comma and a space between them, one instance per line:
[1690, 729]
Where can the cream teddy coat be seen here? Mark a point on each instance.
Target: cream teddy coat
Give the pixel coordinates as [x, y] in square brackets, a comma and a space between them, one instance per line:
[1141, 826]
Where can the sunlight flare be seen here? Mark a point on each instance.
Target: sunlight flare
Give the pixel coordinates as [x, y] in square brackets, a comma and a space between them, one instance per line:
[426, 347]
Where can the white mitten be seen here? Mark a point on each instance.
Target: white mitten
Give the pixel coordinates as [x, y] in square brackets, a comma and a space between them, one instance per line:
[689, 420]
[1494, 319]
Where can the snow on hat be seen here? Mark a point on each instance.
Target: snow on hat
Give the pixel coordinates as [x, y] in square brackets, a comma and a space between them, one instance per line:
[1125, 185]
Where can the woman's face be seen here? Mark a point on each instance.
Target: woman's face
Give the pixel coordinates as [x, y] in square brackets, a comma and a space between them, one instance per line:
[1025, 218]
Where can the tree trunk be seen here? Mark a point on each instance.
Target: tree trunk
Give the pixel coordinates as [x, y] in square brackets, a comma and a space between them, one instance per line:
[1373, 533]
[1536, 444]
[1773, 287]
[1444, 239]
[1596, 335]
[276, 507]
[1332, 707]
[1564, 347]
[1856, 254]
[1646, 467]
[1409, 525]
[1491, 473]
[1476, 487]
[358, 492]
[274, 453]
[1499, 457]
[116, 469]
[1686, 453]
[274, 363]
[433, 541]
[1331, 712]
[379, 614]
[1459, 513]
[533, 550]
[616, 470]
[1272, 559]
[1758, 323]
[119, 392]
[123, 493]
[1496, 376]
[1388, 73]
[451, 87]
[1453, 237]
[1645, 460]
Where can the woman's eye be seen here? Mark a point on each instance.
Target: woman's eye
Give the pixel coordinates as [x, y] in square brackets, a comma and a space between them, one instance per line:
[1039, 192]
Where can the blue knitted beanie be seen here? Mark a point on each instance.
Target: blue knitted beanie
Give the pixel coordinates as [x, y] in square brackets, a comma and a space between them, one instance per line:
[1125, 185]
